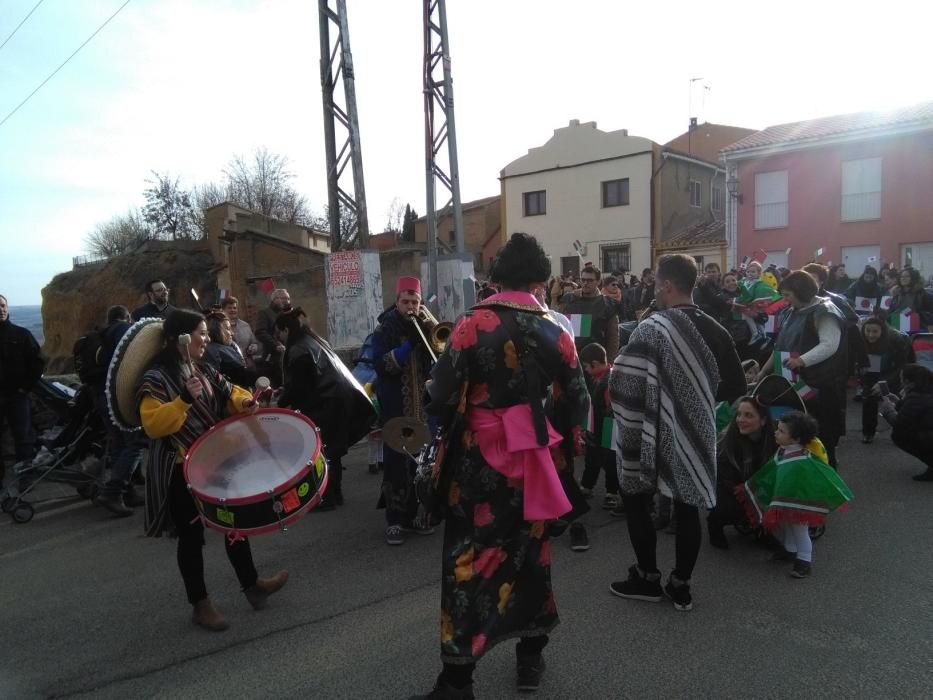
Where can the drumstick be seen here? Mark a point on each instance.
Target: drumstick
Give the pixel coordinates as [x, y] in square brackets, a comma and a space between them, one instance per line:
[185, 341]
[263, 385]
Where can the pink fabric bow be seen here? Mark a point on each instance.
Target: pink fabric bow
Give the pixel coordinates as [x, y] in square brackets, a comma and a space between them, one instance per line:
[506, 439]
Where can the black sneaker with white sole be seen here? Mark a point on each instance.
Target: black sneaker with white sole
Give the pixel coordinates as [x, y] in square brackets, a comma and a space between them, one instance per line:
[639, 586]
[529, 672]
[679, 593]
[579, 540]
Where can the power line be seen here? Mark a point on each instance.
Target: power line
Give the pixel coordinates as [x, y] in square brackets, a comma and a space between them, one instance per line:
[21, 23]
[75, 53]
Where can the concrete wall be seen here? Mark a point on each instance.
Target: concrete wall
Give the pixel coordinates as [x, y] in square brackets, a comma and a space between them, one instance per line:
[354, 296]
[814, 182]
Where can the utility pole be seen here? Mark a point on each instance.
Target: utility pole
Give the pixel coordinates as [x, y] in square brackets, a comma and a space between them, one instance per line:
[337, 63]
[439, 126]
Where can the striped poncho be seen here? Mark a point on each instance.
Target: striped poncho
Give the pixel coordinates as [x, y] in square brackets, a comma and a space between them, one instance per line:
[662, 389]
[165, 452]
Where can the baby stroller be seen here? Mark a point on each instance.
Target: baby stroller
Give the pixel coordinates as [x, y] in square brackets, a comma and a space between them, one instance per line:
[71, 450]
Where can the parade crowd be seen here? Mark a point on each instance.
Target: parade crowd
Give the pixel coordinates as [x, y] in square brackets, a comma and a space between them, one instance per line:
[682, 393]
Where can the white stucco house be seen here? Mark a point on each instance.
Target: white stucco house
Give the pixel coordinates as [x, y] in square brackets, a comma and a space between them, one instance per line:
[586, 195]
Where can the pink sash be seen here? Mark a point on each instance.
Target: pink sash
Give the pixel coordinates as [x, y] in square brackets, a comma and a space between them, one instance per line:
[506, 439]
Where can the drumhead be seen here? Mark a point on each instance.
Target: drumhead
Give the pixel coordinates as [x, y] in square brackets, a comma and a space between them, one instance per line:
[245, 457]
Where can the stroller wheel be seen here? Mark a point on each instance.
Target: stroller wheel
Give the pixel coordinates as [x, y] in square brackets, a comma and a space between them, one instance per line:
[23, 513]
[7, 504]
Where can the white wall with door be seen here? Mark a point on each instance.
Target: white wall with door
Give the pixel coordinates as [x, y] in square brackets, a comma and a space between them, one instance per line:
[856, 257]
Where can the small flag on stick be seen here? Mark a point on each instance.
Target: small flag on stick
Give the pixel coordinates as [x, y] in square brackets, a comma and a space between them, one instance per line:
[805, 392]
[864, 304]
[582, 325]
[779, 368]
[267, 286]
[818, 252]
[787, 252]
[885, 303]
[906, 321]
[605, 440]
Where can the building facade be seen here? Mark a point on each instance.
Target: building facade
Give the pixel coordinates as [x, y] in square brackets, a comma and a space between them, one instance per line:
[852, 189]
[586, 195]
[482, 231]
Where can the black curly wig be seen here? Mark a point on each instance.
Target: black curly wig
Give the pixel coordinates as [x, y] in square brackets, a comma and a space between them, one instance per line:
[520, 263]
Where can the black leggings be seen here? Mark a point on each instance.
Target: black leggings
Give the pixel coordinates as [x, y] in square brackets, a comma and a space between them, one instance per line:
[191, 539]
[644, 541]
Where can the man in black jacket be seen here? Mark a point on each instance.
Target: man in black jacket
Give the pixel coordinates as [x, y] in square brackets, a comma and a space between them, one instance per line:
[157, 306]
[21, 365]
[125, 450]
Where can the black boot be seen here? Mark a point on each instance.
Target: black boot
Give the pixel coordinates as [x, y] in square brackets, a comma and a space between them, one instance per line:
[528, 672]
[925, 476]
[114, 503]
[444, 691]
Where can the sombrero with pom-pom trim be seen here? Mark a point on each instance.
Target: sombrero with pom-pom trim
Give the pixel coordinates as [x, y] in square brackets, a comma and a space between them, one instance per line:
[134, 353]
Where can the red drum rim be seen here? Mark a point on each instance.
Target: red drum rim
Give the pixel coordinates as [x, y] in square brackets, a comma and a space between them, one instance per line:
[246, 500]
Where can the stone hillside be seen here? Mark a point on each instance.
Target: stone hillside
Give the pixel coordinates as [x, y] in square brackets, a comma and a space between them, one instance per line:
[75, 302]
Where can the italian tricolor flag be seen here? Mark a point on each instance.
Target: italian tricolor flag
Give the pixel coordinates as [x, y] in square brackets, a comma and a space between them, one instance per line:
[906, 321]
[582, 325]
[804, 391]
[779, 368]
[605, 438]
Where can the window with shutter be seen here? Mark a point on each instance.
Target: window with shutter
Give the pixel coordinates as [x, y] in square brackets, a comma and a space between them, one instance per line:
[771, 199]
[861, 189]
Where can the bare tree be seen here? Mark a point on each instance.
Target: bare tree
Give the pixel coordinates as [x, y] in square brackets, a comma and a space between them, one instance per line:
[117, 236]
[262, 183]
[169, 210]
[204, 197]
[349, 231]
[395, 217]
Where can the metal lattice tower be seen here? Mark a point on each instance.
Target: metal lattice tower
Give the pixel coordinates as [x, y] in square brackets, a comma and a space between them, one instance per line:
[337, 63]
[439, 128]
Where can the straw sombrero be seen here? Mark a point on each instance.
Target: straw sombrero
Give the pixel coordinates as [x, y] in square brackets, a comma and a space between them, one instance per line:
[135, 351]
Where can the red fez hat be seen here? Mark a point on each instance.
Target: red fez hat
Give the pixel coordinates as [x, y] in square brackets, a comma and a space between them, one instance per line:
[408, 284]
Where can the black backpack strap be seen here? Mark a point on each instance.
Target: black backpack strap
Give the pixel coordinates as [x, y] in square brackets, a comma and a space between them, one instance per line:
[532, 372]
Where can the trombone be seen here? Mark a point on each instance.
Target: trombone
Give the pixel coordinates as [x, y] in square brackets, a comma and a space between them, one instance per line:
[438, 332]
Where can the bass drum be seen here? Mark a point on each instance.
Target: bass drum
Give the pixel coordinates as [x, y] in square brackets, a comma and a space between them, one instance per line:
[257, 472]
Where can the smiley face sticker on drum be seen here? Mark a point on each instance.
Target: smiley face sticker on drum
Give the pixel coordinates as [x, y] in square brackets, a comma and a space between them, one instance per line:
[256, 473]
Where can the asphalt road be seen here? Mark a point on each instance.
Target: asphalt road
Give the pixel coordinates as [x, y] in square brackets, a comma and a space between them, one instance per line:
[91, 609]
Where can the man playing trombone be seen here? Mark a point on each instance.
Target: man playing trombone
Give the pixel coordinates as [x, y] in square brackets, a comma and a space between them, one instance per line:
[403, 364]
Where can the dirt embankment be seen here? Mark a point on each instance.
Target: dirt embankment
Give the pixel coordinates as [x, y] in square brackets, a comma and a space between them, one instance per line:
[75, 302]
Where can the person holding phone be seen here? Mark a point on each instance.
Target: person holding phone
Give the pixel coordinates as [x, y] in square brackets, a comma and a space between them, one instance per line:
[887, 351]
[910, 415]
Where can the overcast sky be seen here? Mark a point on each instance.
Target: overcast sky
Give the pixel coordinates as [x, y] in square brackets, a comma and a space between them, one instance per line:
[182, 85]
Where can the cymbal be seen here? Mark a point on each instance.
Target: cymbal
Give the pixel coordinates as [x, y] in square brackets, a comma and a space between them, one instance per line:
[406, 435]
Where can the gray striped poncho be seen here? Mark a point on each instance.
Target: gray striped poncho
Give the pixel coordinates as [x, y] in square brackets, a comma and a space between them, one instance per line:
[662, 389]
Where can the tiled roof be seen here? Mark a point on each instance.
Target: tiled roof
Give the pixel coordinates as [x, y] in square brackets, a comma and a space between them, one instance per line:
[464, 206]
[839, 125]
[706, 140]
[710, 232]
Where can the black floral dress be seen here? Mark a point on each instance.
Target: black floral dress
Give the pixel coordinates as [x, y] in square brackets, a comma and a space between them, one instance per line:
[497, 565]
